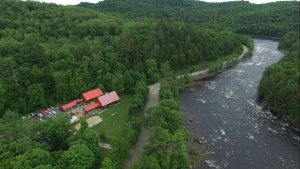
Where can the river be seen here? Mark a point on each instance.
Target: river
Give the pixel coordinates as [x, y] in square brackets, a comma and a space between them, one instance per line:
[239, 134]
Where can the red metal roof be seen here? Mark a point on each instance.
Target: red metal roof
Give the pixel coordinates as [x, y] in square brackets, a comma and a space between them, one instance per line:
[90, 95]
[67, 106]
[108, 98]
[92, 107]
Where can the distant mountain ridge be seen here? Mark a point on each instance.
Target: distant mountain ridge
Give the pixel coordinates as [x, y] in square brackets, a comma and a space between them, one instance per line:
[271, 19]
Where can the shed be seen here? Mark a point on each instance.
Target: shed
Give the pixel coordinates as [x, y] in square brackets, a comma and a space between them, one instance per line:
[92, 107]
[67, 106]
[90, 95]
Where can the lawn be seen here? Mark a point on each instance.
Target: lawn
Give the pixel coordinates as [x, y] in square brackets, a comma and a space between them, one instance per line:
[114, 125]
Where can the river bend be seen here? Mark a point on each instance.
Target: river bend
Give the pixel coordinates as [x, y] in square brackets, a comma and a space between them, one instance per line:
[238, 132]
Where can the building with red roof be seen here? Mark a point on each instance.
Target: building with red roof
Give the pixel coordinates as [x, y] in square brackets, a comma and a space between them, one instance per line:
[90, 95]
[67, 106]
[108, 98]
[92, 107]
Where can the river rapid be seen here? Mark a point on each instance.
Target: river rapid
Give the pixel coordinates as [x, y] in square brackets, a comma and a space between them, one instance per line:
[237, 132]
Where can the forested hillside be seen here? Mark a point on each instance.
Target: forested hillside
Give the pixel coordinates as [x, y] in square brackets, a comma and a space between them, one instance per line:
[279, 87]
[271, 19]
[50, 54]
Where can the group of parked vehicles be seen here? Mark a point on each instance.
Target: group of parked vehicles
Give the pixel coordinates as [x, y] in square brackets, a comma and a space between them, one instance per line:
[44, 113]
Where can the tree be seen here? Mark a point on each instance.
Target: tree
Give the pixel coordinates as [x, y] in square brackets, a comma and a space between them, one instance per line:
[2, 98]
[166, 70]
[36, 97]
[147, 162]
[83, 125]
[55, 132]
[107, 164]
[38, 157]
[159, 145]
[21, 162]
[151, 72]
[78, 156]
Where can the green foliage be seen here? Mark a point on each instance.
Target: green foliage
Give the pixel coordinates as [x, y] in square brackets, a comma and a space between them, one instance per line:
[36, 96]
[38, 157]
[166, 144]
[152, 72]
[55, 132]
[49, 54]
[270, 19]
[139, 98]
[147, 162]
[120, 150]
[279, 86]
[170, 88]
[107, 164]
[78, 156]
[215, 66]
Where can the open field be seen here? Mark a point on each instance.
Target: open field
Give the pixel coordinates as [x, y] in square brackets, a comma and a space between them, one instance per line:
[94, 121]
[114, 118]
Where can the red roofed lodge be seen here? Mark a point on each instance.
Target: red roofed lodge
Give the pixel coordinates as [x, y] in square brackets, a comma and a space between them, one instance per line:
[90, 95]
[108, 98]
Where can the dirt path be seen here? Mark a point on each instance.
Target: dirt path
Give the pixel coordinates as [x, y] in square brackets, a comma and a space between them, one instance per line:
[137, 151]
[245, 50]
[153, 100]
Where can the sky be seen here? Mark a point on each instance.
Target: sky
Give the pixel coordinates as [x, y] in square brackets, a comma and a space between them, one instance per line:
[74, 2]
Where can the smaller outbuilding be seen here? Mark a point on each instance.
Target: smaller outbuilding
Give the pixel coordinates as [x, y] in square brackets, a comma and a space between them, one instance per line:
[92, 107]
[67, 106]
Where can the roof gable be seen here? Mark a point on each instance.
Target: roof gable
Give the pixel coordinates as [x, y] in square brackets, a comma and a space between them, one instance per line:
[68, 106]
[108, 98]
[93, 94]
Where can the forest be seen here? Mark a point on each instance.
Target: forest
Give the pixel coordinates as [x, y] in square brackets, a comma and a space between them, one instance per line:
[50, 54]
[265, 20]
[279, 87]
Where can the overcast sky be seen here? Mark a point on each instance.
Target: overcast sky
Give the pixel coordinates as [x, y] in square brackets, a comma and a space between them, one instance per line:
[74, 2]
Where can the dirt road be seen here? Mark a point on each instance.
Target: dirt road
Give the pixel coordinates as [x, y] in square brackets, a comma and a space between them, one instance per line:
[137, 151]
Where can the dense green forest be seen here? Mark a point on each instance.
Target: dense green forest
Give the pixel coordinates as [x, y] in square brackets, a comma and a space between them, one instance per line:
[50, 54]
[271, 19]
[279, 87]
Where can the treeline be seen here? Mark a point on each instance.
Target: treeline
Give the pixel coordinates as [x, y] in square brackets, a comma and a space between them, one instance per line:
[271, 19]
[49, 54]
[279, 87]
[51, 144]
[166, 146]
[54, 144]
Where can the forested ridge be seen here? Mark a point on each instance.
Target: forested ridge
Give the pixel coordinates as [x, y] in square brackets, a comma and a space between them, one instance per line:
[279, 87]
[271, 19]
[50, 54]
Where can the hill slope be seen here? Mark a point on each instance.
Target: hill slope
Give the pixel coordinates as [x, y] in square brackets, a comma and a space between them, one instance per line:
[50, 54]
[279, 86]
[272, 19]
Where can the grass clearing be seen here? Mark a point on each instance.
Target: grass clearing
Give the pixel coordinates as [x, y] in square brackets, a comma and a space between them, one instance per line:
[115, 118]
